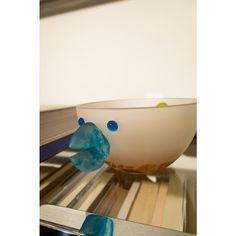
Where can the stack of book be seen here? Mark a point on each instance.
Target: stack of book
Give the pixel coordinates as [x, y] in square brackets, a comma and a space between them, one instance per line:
[152, 200]
[57, 124]
[54, 172]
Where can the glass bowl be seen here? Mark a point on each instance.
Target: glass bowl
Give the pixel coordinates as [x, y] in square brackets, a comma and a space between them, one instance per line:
[143, 138]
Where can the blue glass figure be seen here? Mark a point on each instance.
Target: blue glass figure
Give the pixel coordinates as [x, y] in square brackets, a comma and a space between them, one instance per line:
[81, 121]
[92, 145]
[97, 225]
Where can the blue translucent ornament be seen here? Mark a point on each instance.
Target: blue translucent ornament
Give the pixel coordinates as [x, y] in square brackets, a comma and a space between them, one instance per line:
[92, 145]
[81, 121]
[112, 125]
[97, 225]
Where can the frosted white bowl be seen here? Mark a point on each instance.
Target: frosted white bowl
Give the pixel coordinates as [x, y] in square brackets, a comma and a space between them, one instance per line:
[148, 138]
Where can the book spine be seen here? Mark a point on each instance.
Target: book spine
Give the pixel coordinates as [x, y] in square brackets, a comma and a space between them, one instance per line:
[51, 149]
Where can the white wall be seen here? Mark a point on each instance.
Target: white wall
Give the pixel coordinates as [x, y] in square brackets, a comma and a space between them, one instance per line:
[132, 48]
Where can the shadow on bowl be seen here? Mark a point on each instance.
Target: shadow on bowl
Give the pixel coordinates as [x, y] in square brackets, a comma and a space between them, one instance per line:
[191, 151]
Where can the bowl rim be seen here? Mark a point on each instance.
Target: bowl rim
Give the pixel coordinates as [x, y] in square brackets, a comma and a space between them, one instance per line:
[87, 105]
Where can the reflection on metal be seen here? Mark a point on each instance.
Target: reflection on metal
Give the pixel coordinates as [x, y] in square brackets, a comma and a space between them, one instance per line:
[53, 7]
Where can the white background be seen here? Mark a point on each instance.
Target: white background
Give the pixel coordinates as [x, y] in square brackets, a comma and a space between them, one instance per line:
[125, 49]
[19, 73]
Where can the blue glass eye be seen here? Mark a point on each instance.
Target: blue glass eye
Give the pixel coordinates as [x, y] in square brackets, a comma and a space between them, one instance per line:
[112, 125]
[81, 121]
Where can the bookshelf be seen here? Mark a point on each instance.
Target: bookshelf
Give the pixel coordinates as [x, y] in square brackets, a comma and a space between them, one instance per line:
[166, 199]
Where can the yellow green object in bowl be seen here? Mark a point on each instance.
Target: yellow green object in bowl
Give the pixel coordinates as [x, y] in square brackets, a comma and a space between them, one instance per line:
[162, 104]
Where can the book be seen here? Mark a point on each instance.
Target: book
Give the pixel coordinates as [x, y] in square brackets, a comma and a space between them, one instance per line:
[191, 225]
[56, 178]
[71, 195]
[125, 208]
[55, 162]
[142, 209]
[119, 198]
[112, 200]
[104, 180]
[56, 122]
[104, 206]
[53, 173]
[46, 171]
[160, 204]
[173, 215]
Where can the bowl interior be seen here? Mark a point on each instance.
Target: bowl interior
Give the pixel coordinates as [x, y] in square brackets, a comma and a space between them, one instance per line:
[137, 103]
